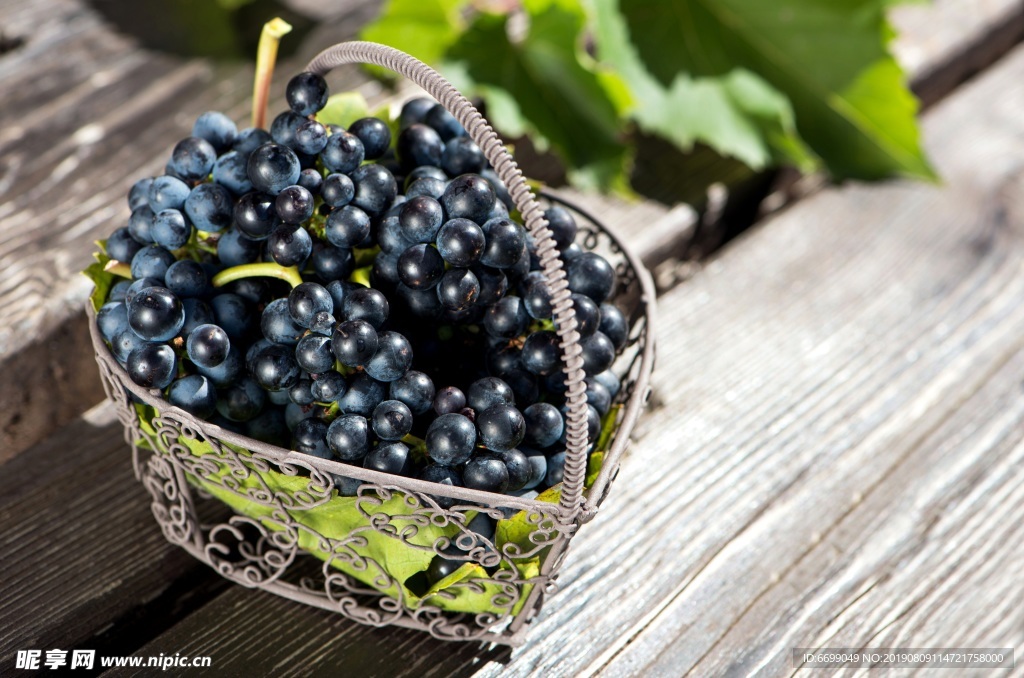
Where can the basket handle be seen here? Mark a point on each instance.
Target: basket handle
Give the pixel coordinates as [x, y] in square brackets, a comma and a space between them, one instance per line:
[551, 264]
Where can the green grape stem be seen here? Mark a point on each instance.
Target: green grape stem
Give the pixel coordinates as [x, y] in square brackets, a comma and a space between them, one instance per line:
[263, 270]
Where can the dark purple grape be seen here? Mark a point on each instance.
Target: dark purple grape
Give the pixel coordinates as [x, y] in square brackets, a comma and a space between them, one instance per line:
[349, 437]
[392, 420]
[363, 395]
[138, 195]
[343, 153]
[277, 324]
[588, 314]
[249, 139]
[541, 353]
[152, 365]
[332, 263]
[506, 243]
[306, 93]
[392, 359]
[537, 295]
[486, 472]
[487, 392]
[255, 215]
[421, 218]
[598, 353]
[493, 284]
[450, 439]
[337, 190]
[347, 226]
[468, 196]
[310, 137]
[376, 188]
[193, 158]
[556, 469]
[216, 128]
[460, 242]
[301, 392]
[366, 303]
[425, 172]
[155, 314]
[167, 192]
[598, 396]
[306, 300]
[284, 127]
[392, 457]
[415, 389]
[273, 167]
[419, 145]
[427, 186]
[518, 467]
[442, 475]
[500, 427]
[544, 424]
[420, 267]
[375, 135]
[235, 249]
[151, 261]
[194, 394]
[140, 223]
[275, 368]
[592, 275]
[354, 342]
[289, 245]
[414, 110]
[462, 156]
[310, 437]
[563, 226]
[449, 400]
[121, 246]
[328, 386]
[507, 318]
[227, 372]
[313, 353]
[208, 345]
[458, 289]
[443, 122]
[232, 314]
[294, 205]
[311, 180]
[614, 326]
[170, 230]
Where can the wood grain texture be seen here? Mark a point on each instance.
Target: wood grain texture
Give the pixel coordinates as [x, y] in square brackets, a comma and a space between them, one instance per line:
[833, 455]
[80, 551]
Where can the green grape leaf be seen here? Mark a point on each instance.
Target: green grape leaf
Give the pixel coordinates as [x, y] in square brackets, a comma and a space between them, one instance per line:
[829, 58]
[538, 84]
[101, 278]
[343, 109]
[423, 28]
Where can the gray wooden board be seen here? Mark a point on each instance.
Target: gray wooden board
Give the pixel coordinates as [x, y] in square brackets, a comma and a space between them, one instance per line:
[833, 456]
[86, 112]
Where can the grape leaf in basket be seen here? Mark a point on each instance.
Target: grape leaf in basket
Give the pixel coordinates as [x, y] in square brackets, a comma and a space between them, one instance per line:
[101, 278]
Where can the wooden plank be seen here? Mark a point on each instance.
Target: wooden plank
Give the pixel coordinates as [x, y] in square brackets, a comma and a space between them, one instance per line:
[82, 556]
[835, 431]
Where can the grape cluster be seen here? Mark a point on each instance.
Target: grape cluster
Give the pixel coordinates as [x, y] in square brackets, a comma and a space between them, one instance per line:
[282, 282]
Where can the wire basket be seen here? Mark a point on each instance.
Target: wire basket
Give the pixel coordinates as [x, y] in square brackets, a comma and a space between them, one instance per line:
[357, 541]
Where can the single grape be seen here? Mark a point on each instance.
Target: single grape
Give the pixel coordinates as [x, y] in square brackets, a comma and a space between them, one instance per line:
[518, 467]
[241, 401]
[614, 326]
[210, 207]
[598, 353]
[328, 386]
[538, 467]
[610, 381]
[392, 457]
[544, 424]
[310, 137]
[366, 303]
[441, 567]
[155, 314]
[349, 437]
[493, 285]
[152, 365]
[500, 427]
[339, 289]
[487, 392]
[301, 392]
[279, 397]
[290, 245]
[306, 300]
[294, 205]
[112, 319]
[486, 472]
[375, 135]
[272, 168]
[556, 469]
[255, 215]
[197, 312]
[363, 395]
[458, 289]
[217, 129]
[151, 261]
[354, 343]
[124, 343]
[347, 226]
[563, 226]
[121, 246]
[419, 145]
[332, 263]
[313, 353]
[588, 314]
[138, 195]
[343, 153]
[537, 295]
[468, 196]
[443, 122]
[392, 359]
[442, 475]
[392, 420]
[311, 180]
[170, 230]
[275, 368]
[284, 127]
[194, 394]
[119, 291]
[390, 235]
[235, 249]
[592, 275]
[427, 186]
[306, 93]
[460, 242]
[376, 188]
[421, 218]
[541, 353]
[249, 139]
[295, 415]
[507, 318]
[277, 324]
[310, 437]
[450, 439]
[140, 224]
[384, 273]
[167, 193]
[420, 267]
[415, 389]
[424, 172]
[449, 400]
[337, 190]
[414, 110]
[208, 345]
[193, 158]
[462, 156]
[506, 243]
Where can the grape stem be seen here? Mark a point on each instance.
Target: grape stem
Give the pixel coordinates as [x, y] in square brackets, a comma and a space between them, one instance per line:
[263, 270]
[266, 56]
[361, 276]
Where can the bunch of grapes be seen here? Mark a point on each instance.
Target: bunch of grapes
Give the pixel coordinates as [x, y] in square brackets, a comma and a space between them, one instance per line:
[282, 282]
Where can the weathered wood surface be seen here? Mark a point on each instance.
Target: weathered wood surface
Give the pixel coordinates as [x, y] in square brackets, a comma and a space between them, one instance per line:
[86, 113]
[833, 456]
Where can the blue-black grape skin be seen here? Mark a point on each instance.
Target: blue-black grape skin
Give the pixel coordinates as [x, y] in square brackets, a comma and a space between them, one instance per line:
[421, 218]
[507, 318]
[217, 129]
[306, 93]
[392, 420]
[186, 279]
[193, 158]
[541, 353]
[414, 110]
[443, 122]
[374, 134]
[208, 346]
[275, 368]
[544, 424]
[310, 137]
[140, 224]
[420, 267]
[155, 314]
[277, 324]
[392, 359]
[460, 242]
[167, 193]
[170, 229]
[294, 205]
[486, 472]
[236, 249]
[347, 226]
[450, 439]
[272, 168]
[517, 466]
[363, 395]
[306, 300]
[290, 245]
[415, 389]
[458, 289]
[227, 372]
[375, 188]
[197, 312]
[151, 261]
[138, 195]
[232, 314]
[342, 153]
[195, 394]
[249, 139]
[310, 437]
[442, 475]
[313, 353]
[112, 319]
[500, 427]
[152, 365]
[121, 246]
[365, 303]
[337, 190]
[462, 156]
[469, 196]
[487, 392]
[592, 275]
[354, 342]
[241, 401]
[427, 186]
[210, 207]
[598, 353]
[562, 224]
[328, 386]
[349, 437]
[255, 215]
[284, 127]
[449, 400]
[419, 145]
[388, 457]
